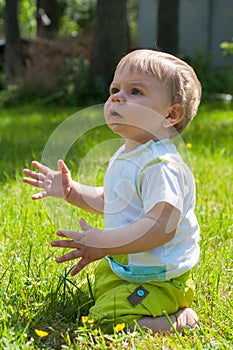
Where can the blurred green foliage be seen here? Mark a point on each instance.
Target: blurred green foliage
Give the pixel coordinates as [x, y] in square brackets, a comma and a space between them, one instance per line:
[227, 47]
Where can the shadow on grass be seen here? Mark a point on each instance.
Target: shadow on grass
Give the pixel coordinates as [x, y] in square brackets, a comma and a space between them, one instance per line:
[62, 312]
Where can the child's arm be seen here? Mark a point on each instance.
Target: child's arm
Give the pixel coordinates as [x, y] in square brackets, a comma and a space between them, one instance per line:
[156, 229]
[60, 184]
[87, 197]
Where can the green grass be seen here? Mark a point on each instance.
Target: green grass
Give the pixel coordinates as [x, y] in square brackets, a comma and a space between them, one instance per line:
[38, 294]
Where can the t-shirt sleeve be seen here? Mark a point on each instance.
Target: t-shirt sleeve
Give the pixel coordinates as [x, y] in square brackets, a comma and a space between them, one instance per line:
[161, 182]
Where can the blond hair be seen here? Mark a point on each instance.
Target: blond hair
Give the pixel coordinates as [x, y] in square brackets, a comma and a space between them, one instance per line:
[179, 77]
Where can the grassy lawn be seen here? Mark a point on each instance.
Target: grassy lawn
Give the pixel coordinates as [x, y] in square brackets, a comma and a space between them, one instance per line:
[37, 294]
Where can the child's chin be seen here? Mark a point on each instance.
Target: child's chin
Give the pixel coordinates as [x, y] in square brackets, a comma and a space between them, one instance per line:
[117, 128]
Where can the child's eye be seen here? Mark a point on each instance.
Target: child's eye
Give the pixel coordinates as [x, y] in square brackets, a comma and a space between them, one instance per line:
[114, 91]
[136, 91]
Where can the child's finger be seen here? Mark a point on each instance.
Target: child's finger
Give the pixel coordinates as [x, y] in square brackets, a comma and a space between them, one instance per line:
[39, 195]
[80, 266]
[75, 254]
[84, 225]
[34, 182]
[70, 234]
[34, 174]
[65, 244]
[42, 168]
[62, 166]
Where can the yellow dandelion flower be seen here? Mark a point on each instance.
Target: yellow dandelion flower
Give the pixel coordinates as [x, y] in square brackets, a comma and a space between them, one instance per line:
[119, 327]
[84, 319]
[189, 145]
[41, 333]
[91, 321]
[197, 181]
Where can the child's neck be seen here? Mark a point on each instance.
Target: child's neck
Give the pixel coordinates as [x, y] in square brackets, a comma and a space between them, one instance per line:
[130, 145]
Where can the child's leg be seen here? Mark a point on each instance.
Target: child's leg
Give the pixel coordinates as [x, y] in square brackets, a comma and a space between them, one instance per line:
[184, 318]
[112, 305]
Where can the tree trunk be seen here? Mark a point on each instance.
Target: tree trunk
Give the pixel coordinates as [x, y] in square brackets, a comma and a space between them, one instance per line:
[13, 65]
[168, 20]
[111, 38]
[48, 18]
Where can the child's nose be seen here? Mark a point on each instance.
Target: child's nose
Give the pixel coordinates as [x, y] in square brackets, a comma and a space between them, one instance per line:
[119, 97]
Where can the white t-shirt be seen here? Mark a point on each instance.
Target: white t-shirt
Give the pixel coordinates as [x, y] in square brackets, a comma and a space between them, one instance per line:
[134, 183]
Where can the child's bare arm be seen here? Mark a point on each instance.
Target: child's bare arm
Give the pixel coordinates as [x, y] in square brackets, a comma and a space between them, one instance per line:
[87, 197]
[156, 229]
[60, 184]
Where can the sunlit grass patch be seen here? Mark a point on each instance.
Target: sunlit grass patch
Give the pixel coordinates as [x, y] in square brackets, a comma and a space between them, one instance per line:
[38, 294]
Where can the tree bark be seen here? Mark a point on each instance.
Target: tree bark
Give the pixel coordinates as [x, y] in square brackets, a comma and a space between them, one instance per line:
[48, 18]
[168, 20]
[111, 38]
[13, 65]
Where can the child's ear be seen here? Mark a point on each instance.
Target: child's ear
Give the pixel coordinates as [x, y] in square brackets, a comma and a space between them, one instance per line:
[176, 114]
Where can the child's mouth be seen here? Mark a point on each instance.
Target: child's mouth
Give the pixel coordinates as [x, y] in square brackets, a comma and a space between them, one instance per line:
[115, 117]
[115, 114]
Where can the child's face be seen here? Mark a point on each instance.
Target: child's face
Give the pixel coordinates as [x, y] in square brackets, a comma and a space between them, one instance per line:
[137, 105]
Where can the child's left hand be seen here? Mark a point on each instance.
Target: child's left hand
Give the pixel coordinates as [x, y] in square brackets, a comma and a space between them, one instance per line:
[80, 249]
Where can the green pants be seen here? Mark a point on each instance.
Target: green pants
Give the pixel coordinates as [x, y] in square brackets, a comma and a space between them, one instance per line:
[112, 305]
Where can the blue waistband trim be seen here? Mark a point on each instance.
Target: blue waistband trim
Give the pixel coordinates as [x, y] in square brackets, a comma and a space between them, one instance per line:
[137, 274]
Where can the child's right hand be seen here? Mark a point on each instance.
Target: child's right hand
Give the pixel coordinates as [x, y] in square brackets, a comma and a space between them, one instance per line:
[53, 183]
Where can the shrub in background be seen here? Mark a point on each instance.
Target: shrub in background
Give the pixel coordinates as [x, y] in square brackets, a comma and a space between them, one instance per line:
[77, 85]
[227, 47]
[58, 72]
[213, 79]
